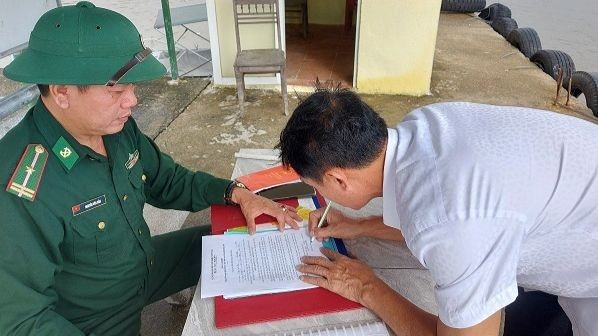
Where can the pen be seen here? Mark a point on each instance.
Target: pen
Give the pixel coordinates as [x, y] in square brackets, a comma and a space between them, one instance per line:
[323, 218]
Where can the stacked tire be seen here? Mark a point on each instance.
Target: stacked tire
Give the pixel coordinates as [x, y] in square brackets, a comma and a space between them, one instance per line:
[552, 62]
[504, 26]
[586, 83]
[463, 6]
[498, 16]
[494, 12]
[526, 40]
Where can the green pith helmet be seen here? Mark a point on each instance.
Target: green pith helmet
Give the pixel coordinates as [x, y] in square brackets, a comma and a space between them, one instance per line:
[83, 45]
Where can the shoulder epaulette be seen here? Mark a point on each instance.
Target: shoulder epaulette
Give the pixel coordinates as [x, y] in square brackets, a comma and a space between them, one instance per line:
[28, 173]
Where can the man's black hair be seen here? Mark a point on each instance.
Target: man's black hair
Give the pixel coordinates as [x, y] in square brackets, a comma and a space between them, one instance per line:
[331, 129]
[44, 89]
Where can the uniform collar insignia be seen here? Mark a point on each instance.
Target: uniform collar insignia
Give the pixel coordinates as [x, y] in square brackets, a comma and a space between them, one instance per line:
[65, 153]
[133, 157]
[27, 176]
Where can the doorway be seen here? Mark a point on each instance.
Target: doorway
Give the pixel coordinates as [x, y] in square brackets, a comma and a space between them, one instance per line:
[327, 51]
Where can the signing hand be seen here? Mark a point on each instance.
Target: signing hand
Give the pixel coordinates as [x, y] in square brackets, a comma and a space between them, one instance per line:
[253, 205]
[341, 226]
[345, 276]
[337, 225]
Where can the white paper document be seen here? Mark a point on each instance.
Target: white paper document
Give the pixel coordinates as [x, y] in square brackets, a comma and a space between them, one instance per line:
[358, 328]
[242, 265]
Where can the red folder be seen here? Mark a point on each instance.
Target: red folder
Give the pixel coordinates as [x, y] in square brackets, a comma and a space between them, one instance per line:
[269, 307]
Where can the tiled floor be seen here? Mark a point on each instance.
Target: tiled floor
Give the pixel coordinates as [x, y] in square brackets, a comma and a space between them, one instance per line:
[326, 54]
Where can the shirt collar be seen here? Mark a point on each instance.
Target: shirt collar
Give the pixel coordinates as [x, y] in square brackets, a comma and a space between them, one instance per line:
[389, 188]
[61, 143]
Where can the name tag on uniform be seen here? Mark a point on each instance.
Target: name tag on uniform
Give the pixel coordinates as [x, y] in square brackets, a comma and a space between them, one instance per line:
[88, 205]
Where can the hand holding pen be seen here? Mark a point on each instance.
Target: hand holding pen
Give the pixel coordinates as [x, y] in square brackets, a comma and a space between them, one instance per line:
[322, 219]
[333, 223]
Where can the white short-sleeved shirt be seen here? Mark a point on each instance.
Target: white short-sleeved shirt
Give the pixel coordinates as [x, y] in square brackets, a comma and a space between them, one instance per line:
[489, 197]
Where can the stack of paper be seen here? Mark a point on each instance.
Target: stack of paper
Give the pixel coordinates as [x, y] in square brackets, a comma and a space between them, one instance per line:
[237, 265]
[261, 308]
[363, 328]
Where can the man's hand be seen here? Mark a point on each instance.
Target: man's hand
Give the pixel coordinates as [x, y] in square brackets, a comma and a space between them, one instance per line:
[340, 226]
[337, 225]
[253, 205]
[347, 277]
[355, 281]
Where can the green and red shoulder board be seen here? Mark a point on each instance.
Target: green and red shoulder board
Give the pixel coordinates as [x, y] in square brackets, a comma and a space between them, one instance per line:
[28, 174]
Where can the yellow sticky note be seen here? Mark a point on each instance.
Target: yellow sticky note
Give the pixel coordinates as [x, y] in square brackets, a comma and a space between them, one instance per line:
[303, 212]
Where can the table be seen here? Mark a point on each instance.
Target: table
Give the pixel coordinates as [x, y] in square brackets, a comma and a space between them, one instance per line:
[391, 261]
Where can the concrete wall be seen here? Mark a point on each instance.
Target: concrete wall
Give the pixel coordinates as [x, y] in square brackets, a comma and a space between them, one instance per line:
[328, 12]
[253, 36]
[18, 19]
[396, 46]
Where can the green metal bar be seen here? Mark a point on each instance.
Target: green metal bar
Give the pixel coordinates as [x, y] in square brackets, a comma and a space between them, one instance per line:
[174, 70]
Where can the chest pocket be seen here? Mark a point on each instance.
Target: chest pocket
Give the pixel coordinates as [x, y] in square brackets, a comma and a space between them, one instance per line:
[138, 179]
[98, 237]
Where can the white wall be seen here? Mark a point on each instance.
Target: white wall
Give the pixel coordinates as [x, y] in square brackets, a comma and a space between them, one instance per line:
[17, 19]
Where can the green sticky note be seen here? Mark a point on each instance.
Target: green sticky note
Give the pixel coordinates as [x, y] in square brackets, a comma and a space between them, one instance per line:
[65, 153]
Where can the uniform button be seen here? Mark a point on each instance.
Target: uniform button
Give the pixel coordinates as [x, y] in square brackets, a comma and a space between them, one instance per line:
[143, 178]
[125, 197]
[139, 231]
[101, 226]
[152, 262]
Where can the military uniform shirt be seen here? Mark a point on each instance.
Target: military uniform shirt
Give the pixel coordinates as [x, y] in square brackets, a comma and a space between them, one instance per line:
[78, 256]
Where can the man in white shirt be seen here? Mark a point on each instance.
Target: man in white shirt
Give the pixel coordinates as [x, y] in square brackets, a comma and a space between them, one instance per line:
[486, 197]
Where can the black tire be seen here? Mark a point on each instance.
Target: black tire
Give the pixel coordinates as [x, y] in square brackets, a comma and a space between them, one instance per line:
[495, 11]
[526, 40]
[586, 83]
[463, 6]
[504, 26]
[550, 61]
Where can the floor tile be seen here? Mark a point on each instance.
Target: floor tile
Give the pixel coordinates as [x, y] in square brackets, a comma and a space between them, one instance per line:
[327, 54]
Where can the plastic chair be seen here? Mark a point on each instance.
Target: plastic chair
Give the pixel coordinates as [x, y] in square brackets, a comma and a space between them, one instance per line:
[183, 16]
[258, 61]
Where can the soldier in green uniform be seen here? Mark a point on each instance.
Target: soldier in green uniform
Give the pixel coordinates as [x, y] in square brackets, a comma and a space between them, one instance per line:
[76, 255]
